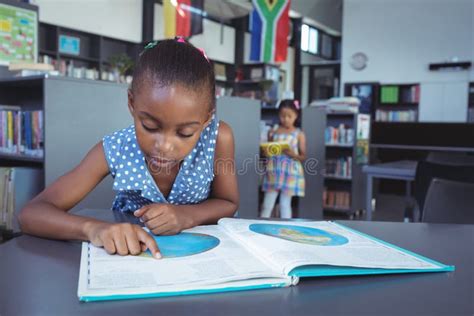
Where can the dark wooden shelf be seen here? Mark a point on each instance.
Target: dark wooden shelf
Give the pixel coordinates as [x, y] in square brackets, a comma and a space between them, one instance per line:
[21, 157]
[83, 58]
[339, 145]
[334, 177]
[464, 65]
[47, 52]
[336, 209]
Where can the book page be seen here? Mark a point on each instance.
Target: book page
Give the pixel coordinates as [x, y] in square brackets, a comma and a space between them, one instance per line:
[202, 255]
[290, 244]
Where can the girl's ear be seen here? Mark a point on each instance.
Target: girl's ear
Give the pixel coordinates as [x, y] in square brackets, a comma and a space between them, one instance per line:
[130, 102]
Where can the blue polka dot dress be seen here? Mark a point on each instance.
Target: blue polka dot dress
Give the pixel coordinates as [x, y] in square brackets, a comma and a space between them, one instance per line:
[135, 185]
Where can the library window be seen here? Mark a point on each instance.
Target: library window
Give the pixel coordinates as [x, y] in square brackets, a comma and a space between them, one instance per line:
[309, 39]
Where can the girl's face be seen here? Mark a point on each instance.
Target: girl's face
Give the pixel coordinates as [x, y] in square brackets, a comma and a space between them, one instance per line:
[287, 117]
[168, 122]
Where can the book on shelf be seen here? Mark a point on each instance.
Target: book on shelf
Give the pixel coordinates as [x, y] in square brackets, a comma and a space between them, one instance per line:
[21, 131]
[18, 185]
[336, 199]
[239, 254]
[341, 167]
[389, 94]
[274, 148]
[338, 104]
[341, 135]
[410, 94]
[396, 116]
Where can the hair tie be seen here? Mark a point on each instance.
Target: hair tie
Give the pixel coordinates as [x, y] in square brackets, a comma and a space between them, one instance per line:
[296, 104]
[180, 39]
[151, 45]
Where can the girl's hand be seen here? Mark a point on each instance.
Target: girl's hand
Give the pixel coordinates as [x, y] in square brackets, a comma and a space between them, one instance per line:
[163, 219]
[290, 152]
[122, 238]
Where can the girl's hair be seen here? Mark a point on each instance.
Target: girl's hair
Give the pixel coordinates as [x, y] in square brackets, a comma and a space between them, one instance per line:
[289, 104]
[175, 61]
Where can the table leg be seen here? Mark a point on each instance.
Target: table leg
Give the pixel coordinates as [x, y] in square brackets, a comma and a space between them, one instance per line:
[407, 201]
[368, 199]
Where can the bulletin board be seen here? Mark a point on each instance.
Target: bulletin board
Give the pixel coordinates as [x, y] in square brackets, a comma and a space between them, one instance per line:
[18, 34]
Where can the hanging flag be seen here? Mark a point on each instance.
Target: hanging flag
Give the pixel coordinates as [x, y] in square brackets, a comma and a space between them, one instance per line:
[182, 17]
[270, 26]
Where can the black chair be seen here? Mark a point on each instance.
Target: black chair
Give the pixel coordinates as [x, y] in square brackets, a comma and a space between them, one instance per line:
[449, 202]
[426, 171]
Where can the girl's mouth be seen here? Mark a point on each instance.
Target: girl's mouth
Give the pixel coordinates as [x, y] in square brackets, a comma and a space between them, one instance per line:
[161, 162]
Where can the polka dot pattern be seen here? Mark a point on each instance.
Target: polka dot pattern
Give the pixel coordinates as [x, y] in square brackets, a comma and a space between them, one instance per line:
[135, 185]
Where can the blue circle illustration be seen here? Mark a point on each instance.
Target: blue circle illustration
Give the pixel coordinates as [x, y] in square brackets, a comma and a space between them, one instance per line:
[300, 234]
[183, 244]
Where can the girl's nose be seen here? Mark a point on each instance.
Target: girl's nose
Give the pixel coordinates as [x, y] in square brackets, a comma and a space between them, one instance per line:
[163, 144]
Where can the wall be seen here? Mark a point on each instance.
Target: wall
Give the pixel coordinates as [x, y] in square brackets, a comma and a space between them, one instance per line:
[121, 19]
[325, 13]
[209, 40]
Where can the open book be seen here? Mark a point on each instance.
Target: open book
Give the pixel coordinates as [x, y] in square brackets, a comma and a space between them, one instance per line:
[239, 254]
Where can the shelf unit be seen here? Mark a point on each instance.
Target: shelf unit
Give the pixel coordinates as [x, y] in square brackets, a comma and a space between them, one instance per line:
[344, 182]
[74, 112]
[94, 54]
[398, 103]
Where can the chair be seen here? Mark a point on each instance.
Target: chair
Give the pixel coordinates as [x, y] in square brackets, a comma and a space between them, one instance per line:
[426, 171]
[449, 202]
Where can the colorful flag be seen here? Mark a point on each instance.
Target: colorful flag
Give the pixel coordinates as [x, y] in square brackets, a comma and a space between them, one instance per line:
[182, 17]
[270, 27]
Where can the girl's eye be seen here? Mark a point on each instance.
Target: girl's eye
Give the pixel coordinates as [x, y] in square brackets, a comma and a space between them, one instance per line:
[185, 135]
[149, 129]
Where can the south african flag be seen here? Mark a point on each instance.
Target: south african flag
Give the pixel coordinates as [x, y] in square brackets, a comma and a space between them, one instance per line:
[270, 26]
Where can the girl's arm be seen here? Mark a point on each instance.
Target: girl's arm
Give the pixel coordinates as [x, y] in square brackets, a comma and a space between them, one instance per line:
[47, 214]
[167, 219]
[301, 148]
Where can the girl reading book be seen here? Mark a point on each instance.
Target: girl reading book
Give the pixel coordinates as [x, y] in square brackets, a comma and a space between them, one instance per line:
[164, 166]
[284, 172]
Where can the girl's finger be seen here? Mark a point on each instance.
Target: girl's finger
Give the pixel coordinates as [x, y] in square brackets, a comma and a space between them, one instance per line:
[150, 243]
[121, 244]
[133, 244]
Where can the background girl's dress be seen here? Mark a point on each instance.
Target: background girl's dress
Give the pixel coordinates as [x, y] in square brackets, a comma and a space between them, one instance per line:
[283, 173]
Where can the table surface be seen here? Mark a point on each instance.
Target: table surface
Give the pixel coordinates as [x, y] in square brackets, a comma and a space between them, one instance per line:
[406, 168]
[40, 277]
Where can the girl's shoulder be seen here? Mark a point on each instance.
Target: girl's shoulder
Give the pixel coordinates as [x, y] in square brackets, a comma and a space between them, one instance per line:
[121, 149]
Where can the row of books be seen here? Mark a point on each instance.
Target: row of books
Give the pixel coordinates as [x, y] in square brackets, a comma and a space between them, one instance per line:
[342, 135]
[336, 199]
[410, 94]
[21, 132]
[341, 167]
[396, 116]
[18, 185]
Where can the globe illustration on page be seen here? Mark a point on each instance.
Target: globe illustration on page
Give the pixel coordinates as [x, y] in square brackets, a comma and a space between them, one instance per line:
[300, 234]
[183, 244]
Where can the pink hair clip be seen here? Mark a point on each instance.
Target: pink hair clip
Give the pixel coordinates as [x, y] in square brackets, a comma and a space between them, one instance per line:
[203, 53]
[297, 104]
[180, 39]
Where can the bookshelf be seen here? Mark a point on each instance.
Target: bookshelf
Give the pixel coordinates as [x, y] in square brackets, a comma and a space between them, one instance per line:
[77, 118]
[398, 103]
[91, 58]
[344, 182]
